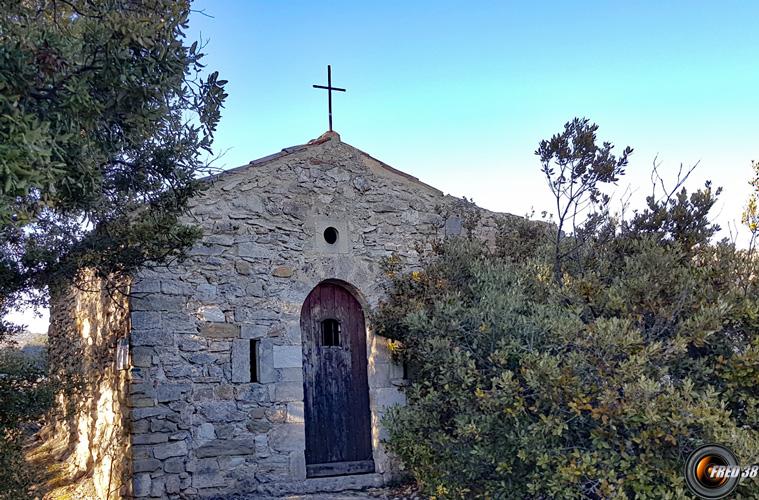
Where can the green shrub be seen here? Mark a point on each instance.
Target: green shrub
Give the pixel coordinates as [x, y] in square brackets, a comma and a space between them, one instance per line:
[25, 395]
[595, 387]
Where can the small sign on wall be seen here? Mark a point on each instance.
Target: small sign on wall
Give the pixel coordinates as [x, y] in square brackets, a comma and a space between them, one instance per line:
[122, 354]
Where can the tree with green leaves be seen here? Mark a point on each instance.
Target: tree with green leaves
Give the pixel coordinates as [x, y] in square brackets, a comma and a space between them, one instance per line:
[106, 119]
[750, 215]
[576, 168]
[597, 385]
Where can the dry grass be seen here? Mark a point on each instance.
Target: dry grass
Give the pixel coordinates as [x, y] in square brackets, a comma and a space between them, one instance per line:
[49, 454]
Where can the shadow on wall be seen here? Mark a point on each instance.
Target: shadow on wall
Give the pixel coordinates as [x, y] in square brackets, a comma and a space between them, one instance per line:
[85, 445]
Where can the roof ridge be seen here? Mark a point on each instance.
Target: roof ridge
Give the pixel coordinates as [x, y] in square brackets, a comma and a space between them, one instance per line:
[325, 137]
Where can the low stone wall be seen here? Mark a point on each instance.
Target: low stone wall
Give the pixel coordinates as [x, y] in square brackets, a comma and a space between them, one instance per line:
[86, 325]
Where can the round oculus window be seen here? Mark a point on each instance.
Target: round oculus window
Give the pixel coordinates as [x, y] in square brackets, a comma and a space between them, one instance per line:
[330, 235]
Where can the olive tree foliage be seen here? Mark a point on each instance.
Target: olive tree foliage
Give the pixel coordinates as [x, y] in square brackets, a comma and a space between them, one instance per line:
[576, 168]
[106, 116]
[750, 215]
[594, 386]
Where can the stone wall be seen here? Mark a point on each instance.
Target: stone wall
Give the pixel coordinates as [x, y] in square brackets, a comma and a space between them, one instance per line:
[86, 325]
[199, 426]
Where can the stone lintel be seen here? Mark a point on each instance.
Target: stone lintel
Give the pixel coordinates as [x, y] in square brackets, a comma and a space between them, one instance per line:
[220, 330]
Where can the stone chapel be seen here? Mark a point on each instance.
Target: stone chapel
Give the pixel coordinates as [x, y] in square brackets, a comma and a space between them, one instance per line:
[251, 367]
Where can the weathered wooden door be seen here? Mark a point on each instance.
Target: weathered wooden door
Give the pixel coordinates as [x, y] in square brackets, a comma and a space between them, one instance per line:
[338, 428]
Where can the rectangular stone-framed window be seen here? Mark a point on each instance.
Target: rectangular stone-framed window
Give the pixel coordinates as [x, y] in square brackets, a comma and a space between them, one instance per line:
[254, 372]
[246, 361]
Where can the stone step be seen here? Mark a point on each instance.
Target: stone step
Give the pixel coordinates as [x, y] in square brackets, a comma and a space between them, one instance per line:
[322, 485]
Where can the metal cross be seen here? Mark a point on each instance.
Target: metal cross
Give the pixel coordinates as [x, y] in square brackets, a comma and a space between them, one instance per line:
[329, 88]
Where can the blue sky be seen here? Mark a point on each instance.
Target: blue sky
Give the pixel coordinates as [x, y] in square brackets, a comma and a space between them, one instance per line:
[460, 93]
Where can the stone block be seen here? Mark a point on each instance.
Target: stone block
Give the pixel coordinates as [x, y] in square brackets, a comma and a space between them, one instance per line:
[212, 314]
[276, 414]
[286, 356]
[229, 463]
[206, 292]
[253, 250]
[226, 447]
[257, 412]
[141, 485]
[203, 465]
[174, 287]
[180, 321]
[145, 320]
[282, 272]
[226, 431]
[276, 331]
[151, 338]
[202, 393]
[206, 250]
[146, 284]
[219, 345]
[249, 331]
[255, 315]
[205, 432]
[266, 371]
[241, 361]
[168, 450]
[224, 391]
[146, 465]
[173, 484]
[242, 267]
[221, 411]
[383, 398]
[288, 391]
[208, 480]
[262, 446]
[343, 243]
[140, 413]
[142, 356]
[220, 239]
[381, 375]
[150, 438]
[162, 426]
[258, 425]
[157, 486]
[220, 330]
[172, 392]
[295, 412]
[158, 302]
[453, 226]
[191, 344]
[274, 468]
[182, 371]
[139, 426]
[252, 393]
[297, 466]
[142, 451]
[255, 289]
[174, 465]
[141, 402]
[290, 375]
[200, 358]
[288, 437]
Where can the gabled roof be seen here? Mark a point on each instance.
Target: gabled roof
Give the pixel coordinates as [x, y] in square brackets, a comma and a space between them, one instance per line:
[325, 137]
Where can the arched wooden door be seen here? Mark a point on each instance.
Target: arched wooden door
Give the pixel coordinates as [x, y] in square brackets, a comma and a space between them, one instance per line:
[338, 426]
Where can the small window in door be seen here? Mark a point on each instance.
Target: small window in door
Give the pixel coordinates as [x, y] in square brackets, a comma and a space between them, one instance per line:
[331, 333]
